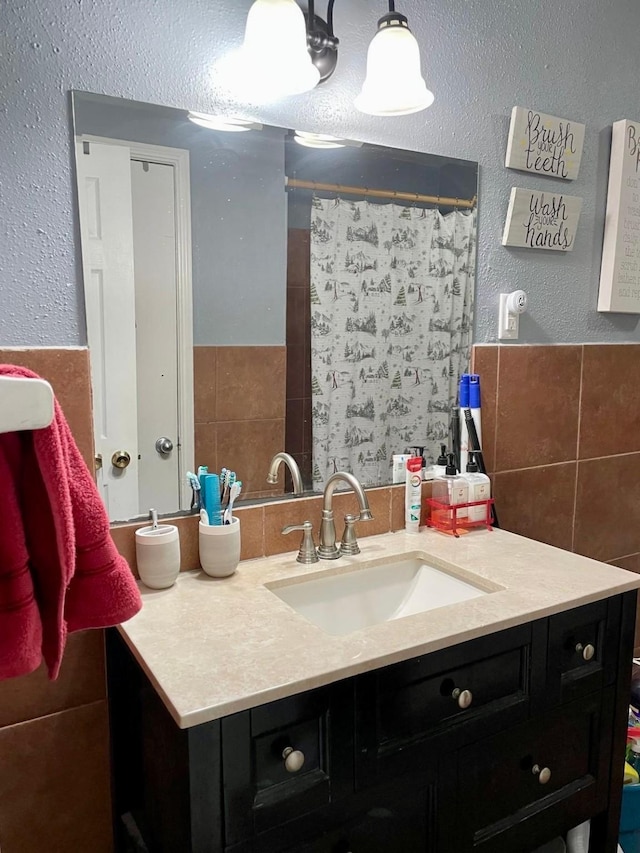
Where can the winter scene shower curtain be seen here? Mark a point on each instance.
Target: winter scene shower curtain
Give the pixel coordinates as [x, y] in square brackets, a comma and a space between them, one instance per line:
[391, 313]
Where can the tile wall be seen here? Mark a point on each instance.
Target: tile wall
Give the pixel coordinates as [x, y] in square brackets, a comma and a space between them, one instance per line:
[561, 429]
[54, 736]
[561, 436]
[239, 407]
[262, 525]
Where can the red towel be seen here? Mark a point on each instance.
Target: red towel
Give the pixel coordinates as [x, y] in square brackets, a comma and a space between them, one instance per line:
[59, 568]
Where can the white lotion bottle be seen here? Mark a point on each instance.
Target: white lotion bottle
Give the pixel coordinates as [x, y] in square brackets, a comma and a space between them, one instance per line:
[413, 495]
[479, 489]
[451, 490]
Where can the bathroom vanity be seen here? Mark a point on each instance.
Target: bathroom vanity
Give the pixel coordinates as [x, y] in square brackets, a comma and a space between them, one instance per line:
[492, 724]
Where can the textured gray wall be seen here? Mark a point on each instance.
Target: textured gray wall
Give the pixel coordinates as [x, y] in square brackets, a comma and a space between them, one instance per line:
[577, 59]
[237, 182]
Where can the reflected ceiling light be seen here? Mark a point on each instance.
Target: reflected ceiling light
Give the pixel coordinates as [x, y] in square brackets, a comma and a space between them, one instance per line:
[318, 140]
[286, 52]
[225, 123]
[394, 85]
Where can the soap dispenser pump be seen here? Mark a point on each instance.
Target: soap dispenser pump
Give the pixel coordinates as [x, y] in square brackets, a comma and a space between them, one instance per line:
[479, 489]
[440, 466]
[452, 488]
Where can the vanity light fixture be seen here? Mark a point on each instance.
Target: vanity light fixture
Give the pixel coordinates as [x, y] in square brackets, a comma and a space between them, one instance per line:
[274, 60]
[287, 52]
[394, 84]
[227, 124]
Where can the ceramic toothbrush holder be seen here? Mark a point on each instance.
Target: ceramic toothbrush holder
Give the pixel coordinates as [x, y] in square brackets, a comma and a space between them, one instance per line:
[219, 546]
[158, 555]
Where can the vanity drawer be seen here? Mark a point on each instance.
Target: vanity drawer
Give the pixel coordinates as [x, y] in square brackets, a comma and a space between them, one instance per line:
[506, 801]
[408, 711]
[583, 650]
[285, 759]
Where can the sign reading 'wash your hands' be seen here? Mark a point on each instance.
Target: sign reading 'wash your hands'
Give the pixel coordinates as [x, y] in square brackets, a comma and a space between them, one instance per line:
[620, 270]
[541, 220]
[543, 144]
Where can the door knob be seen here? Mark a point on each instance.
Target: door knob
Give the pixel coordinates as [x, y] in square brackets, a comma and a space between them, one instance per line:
[464, 698]
[293, 759]
[587, 651]
[543, 773]
[164, 445]
[120, 459]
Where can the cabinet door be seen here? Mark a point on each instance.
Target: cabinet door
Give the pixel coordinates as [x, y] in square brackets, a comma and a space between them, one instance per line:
[410, 712]
[286, 759]
[534, 781]
[583, 649]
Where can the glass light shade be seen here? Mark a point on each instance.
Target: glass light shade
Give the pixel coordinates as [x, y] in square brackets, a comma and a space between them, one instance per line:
[394, 85]
[274, 58]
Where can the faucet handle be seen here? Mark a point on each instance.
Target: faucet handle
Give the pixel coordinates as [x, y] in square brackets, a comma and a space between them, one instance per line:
[349, 543]
[307, 553]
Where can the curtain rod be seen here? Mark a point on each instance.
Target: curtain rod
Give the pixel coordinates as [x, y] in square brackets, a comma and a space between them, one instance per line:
[295, 183]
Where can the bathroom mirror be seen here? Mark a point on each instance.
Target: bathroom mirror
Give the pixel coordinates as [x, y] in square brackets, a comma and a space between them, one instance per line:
[240, 285]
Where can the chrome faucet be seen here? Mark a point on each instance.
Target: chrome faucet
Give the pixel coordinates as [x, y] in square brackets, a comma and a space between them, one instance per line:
[327, 549]
[292, 465]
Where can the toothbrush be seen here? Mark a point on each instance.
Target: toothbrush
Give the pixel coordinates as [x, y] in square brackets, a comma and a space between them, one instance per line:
[223, 480]
[153, 515]
[204, 517]
[234, 492]
[229, 481]
[194, 482]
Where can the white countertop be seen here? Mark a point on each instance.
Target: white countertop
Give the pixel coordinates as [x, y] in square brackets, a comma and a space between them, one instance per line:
[214, 647]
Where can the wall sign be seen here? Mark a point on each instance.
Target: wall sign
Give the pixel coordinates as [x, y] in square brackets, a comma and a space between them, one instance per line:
[620, 270]
[541, 220]
[544, 144]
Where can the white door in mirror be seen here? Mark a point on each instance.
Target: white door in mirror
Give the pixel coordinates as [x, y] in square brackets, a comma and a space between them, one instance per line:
[104, 195]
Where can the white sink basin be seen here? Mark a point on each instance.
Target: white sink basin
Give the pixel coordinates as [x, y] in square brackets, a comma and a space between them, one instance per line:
[361, 596]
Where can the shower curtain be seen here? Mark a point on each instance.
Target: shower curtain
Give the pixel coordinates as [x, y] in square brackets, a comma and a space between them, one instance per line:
[391, 315]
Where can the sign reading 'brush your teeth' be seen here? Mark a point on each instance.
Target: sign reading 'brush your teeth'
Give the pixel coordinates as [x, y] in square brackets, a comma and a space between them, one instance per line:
[544, 144]
[620, 270]
[541, 220]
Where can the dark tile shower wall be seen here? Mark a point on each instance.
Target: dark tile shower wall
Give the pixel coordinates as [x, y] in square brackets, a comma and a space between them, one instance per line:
[298, 420]
[561, 432]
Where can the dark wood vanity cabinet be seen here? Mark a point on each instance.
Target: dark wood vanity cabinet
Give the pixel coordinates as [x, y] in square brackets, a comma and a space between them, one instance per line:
[497, 745]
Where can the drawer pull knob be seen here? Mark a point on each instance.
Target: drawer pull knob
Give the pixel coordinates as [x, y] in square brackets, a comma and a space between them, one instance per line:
[587, 651]
[293, 759]
[463, 697]
[543, 773]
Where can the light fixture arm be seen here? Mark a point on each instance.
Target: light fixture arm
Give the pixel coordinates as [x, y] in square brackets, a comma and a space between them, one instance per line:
[322, 42]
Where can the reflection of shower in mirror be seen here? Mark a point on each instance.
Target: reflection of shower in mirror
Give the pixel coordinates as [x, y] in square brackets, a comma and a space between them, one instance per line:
[201, 254]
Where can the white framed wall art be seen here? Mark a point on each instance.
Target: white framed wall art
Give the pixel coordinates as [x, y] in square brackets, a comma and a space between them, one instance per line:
[544, 144]
[620, 270]
[541, 220]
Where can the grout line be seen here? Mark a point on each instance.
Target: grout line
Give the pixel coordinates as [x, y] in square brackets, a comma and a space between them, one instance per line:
[569, 462]
[537, 467]
[610, 456]
[624, 557]
[575, 491]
